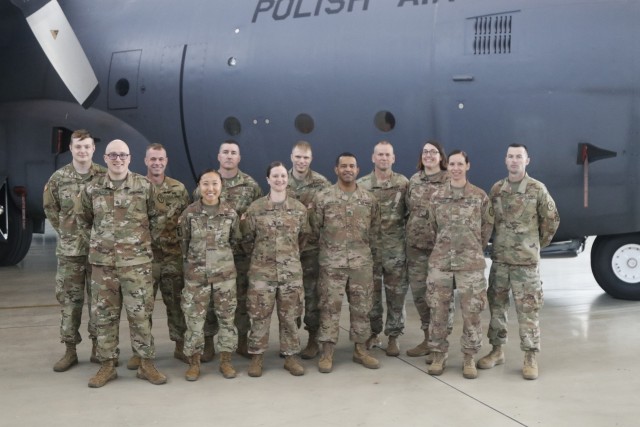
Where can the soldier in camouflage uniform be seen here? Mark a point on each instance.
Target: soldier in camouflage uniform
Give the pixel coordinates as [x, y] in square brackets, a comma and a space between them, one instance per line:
[526, 221]
[209, 230]
[73, 277]
[431, 176]
[119, 210]
[461, 218]
[304, 184]
[276, 225]
[390, 189]
[171, 199]
[239, 190]
[348, 224]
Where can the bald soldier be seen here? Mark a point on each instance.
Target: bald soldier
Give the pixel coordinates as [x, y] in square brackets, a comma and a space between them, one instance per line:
[526, 219]
[171, 198]
[74, 271]
[390, 188]
[120, 212]
[303, 185]
[348, 225]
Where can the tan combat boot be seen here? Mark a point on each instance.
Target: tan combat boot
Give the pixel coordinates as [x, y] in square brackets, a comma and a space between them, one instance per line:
[178, 352]
[469, 367]
[243, 346]
[69, 359]
[226, 368]
[133, 363]
[147, 371]
[106, 373]
[393, 349]
[325, 364]
[421, 349]
[372, 342]
[209, 350]
[429, 359]
[438, 364]
[312, 348]
[293, 365]
[193, 373]
[94, 351]
[255, 367]
[530, 368]
[361, 356]
[495, 357]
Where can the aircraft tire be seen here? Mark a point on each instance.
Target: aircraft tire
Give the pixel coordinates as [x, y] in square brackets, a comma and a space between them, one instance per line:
[18, 240]
[615, 263]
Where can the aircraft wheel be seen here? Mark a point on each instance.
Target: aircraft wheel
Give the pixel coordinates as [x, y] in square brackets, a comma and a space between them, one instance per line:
[18, 240]
[615, 263]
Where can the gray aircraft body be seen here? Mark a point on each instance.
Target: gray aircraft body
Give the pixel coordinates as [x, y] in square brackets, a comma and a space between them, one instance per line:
[562, 76]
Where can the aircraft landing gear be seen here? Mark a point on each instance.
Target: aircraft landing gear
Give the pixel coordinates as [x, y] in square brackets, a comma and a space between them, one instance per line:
[615, 263]
[15, 234]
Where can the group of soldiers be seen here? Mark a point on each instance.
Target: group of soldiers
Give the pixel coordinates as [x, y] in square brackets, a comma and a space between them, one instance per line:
[223, 262]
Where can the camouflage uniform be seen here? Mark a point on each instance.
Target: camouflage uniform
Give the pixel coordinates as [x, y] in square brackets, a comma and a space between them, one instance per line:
[526, 220]
[73, 276]
[277, 231]
[304, 191]
[239, 192]
[207, 241]
[122, 219]
[462, 221]
[171, 198]
[420, 240]
[391, 195]
[348, 226]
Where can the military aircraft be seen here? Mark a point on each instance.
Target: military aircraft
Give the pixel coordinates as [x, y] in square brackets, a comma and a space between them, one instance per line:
[562, 76]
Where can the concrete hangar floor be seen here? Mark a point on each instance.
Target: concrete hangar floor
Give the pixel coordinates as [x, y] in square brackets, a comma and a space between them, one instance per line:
[589, 370]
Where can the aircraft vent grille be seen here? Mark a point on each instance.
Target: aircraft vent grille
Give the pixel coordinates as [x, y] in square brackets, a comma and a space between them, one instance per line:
[491, 34]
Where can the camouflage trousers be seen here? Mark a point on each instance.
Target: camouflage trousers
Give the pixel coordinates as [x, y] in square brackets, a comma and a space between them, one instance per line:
[198, 295]
[472, 290]
[261, 298]
[417, 270]
[242, 321]
[358, 285]
[393, 274]
[111, 289]
[73, 279]
[310, 273]
[524, 282]
[168, 277]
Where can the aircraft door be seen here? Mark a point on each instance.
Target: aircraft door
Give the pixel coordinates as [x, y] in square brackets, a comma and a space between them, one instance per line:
[123, 79]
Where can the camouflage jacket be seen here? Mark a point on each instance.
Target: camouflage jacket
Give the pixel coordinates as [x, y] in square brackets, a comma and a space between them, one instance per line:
[171, 198]
[348, 226]
[121, 220]
[462, 225]
[207, 241]
[421, 188]
[304, 191]
[277, 231]
[60, 199]
[526, 221]
[240, 191]
[391, 196]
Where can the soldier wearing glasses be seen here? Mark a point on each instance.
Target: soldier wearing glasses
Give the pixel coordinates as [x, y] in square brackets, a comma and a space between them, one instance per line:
[119, 211]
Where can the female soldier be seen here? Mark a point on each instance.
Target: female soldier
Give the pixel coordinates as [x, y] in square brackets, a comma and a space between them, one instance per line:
[208, 229]
[431, 175]
[461, 218]
[276, 225]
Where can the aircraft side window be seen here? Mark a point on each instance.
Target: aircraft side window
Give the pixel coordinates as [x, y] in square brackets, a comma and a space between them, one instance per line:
[384, 121]
[304, 123]
[232, 126]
